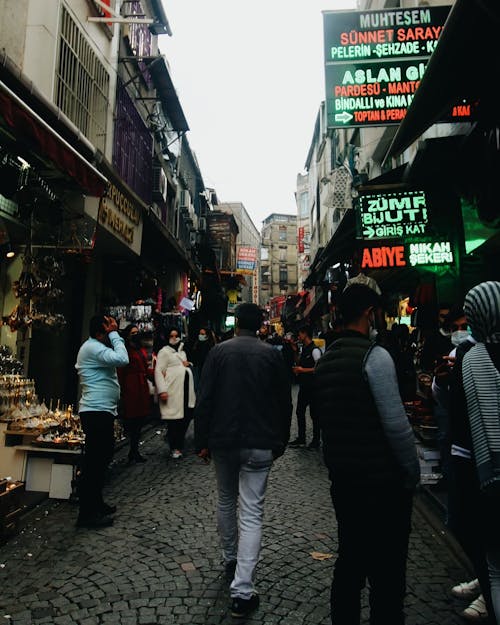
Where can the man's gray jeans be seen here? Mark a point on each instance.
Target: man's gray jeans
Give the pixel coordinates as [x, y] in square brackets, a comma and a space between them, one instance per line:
[241, 474]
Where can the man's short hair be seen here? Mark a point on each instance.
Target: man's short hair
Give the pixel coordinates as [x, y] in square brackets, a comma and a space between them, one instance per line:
[456, 312]
[96, 325]
[355, 300]
[307, 330]
[249, 317]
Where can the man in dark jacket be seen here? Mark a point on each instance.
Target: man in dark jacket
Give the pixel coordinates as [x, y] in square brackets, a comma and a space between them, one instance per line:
[242, 419]
[370, 453]
[304, 370]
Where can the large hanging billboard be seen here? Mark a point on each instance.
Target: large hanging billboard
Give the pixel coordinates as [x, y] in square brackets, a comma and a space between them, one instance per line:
[374, 61]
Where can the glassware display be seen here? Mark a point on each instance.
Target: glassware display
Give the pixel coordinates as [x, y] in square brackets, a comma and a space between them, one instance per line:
[25, 414]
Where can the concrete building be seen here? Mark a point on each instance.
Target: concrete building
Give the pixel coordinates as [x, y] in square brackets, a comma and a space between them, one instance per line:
[248, 238]
[278, 257]
[95, 167]
[303, 229]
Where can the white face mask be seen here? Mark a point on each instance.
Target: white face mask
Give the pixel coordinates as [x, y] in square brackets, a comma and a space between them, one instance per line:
[202, 337]
[459, 336]
[175, 341]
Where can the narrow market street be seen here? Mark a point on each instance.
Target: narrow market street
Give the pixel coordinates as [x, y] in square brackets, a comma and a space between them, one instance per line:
[160, 561]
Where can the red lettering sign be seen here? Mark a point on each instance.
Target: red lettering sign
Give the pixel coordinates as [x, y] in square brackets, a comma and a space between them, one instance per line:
[380, 257]
[301, 240]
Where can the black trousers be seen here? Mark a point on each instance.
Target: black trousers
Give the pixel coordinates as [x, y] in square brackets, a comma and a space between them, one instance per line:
[474, 520]
[98, 452]
[304, 399]
[177, 428]
[132, 427]
[176, 432]
[373, 533]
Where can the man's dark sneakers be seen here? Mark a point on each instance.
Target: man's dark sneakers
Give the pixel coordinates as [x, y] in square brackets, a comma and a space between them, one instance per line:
[94, 522]
[230, 570]
[243, 607]
[298, 442]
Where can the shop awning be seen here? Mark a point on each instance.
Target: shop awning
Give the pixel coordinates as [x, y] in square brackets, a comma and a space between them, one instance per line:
[462, 66]
[161, 25]
[167, 94]
[28, 126]
[316, 297]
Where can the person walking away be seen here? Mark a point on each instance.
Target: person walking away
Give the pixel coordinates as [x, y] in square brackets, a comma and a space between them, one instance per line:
[474, 498]
[135, 402]
[199, 353]
[96, 364]
[242, 420]
[370, 453]
[307, 359]
[175, 387]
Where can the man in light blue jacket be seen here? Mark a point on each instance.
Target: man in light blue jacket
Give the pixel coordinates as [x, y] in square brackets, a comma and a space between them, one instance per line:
[96, 364]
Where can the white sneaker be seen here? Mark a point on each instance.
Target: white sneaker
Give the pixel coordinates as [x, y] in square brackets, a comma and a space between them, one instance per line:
[466, 590]
[476, 611]
[176, 454]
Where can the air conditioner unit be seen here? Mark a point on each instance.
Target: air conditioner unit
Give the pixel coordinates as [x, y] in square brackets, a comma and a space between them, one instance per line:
[185, 202]
[202, 224]
[159, 184]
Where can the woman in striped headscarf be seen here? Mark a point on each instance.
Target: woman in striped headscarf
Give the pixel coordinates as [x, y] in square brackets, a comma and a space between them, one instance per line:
[475, 424]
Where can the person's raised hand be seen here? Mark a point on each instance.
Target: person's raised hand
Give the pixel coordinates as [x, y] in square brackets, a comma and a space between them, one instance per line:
[109, 325]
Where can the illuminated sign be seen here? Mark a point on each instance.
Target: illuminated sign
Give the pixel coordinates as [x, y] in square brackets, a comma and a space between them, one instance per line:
[414, 255]
[430, 253]
[377, 257]
[392, 215]
[382, 34]
[374, 61]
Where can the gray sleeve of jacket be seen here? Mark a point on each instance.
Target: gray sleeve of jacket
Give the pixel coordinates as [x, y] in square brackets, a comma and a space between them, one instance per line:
[381, 375]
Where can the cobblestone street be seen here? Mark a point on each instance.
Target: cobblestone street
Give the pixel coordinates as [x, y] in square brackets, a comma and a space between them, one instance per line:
[160, 562]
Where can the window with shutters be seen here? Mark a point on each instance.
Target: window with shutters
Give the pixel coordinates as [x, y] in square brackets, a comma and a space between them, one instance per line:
[82, 83]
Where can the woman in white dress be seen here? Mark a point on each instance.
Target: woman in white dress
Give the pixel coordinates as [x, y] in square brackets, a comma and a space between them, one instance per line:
[175, 388]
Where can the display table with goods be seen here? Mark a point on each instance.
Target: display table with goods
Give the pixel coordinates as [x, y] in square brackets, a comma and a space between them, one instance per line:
[39, 446]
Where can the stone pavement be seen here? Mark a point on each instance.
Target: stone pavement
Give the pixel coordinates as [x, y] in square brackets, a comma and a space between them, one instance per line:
[160, 561]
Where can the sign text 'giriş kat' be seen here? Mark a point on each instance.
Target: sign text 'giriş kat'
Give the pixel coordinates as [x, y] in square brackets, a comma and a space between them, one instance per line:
[392, 215]
[374, 61]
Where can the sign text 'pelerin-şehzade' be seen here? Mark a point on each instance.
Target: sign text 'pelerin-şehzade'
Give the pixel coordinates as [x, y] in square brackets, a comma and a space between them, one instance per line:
[374, 61]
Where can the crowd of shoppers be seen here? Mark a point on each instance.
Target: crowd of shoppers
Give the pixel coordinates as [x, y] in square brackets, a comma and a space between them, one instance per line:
[239, 392]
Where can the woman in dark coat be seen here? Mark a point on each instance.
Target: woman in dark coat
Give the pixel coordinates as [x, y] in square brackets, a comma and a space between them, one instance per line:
[135, 401]
[199, 352]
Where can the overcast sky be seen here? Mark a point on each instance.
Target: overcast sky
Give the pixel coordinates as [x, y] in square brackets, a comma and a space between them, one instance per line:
[249, 75]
